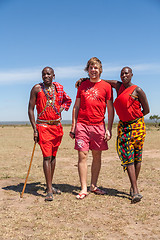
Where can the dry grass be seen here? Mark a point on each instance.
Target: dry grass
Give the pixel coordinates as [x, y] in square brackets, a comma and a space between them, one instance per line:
[96, 217]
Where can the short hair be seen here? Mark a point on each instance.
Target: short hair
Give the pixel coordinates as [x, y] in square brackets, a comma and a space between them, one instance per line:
[130, 69]
[49, 68]
[92, 61]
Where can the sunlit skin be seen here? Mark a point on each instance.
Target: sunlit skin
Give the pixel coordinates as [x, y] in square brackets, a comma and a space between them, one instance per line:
[94, 73]
[48, 76]
[126, 76]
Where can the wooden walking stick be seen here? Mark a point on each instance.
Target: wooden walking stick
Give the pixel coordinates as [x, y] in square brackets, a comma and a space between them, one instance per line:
[28, 171]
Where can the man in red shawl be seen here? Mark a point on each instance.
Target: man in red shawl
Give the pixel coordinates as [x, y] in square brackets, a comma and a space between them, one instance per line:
[50, 100]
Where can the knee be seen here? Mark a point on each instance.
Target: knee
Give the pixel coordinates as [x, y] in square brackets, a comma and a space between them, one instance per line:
[96, 156]
[82, 157]
[53, 159]
[47, 159]
[137, 163]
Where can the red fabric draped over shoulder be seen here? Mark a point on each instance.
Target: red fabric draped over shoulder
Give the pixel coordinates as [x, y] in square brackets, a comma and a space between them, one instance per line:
[127, 107]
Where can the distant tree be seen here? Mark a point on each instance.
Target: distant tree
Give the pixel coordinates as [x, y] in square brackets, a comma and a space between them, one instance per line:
[155, 118]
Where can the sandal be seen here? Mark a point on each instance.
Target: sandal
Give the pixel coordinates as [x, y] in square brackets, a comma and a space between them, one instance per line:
[49, 197]
[98, 191]
[81, 196]
[141, 196]
[54, 190]
[132, 194]
[136, 198]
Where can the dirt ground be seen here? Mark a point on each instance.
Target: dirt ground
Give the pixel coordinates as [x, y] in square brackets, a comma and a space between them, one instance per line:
[110, 217]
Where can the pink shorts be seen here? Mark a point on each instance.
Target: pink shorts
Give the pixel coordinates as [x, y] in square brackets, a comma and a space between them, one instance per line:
[90, 137]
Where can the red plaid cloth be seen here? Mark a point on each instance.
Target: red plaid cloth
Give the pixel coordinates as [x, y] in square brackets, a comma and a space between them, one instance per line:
[63, 99]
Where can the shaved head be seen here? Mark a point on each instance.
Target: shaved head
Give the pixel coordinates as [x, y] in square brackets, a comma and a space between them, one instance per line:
[48, 68]
[130, 69]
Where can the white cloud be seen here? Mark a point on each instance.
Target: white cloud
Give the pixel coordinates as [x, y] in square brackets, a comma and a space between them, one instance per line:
[150, 67]
[139, 68]
[69, 72]
[34, 75]
[18, 76]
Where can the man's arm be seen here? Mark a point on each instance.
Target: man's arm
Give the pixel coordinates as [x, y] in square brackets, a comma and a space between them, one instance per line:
[110, 110]
[143, 100]
[31, 106]
[78, 83]
[74, 117]
[66, 102]
[114, 83]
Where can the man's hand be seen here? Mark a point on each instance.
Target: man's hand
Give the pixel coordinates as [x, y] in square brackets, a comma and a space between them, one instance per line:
[108, 135]
[78, 83]
[72, 132]
[35, 136]
[72, 135]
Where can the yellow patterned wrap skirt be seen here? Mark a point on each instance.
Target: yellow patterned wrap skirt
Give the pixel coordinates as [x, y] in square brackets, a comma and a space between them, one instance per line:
[130, 140]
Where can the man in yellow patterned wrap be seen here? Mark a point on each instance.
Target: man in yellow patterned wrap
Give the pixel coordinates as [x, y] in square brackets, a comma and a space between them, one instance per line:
[131, 106]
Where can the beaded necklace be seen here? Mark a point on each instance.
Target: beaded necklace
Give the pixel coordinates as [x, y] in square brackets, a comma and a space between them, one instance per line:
[50, 95]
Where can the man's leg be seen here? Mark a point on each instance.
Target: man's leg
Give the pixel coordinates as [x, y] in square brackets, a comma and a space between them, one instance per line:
[137, 165]
[82, 170]
[137, 168]
[132, 176]
[136, 197]
[48, 172]
[95, 168]
[53, 165]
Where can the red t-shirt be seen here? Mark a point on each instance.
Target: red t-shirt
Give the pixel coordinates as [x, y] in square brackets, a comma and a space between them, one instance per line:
[93, 97]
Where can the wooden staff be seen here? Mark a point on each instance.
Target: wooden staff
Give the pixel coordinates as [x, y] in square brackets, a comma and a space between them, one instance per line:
[28, 171]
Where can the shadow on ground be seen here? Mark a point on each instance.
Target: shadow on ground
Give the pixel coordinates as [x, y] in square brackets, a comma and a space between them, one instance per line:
[116, 193]
[35, 187]
[31, 188]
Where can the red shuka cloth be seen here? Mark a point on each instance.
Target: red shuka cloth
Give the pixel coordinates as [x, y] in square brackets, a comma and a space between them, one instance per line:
[127, 108]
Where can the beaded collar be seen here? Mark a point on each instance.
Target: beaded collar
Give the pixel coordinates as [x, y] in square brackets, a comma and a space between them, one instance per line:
[50, 95]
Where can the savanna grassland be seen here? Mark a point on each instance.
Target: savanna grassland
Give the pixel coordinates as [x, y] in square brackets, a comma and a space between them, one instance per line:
[110, 217]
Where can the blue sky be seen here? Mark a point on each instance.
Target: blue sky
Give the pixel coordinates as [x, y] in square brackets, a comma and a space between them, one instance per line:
[65, 35]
